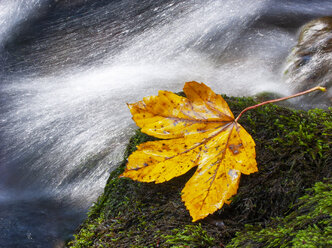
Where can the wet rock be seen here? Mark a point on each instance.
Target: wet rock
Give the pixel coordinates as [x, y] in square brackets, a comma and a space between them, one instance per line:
[310, 61]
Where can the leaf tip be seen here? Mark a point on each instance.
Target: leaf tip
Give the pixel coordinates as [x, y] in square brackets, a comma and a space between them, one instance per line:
[122, 175]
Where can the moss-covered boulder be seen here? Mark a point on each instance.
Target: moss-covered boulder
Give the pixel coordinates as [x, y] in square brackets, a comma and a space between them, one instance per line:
[310, 62]
[308, 225]
[293, 154]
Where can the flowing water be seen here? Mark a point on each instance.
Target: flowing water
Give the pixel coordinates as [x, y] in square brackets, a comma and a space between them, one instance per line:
[67, 69]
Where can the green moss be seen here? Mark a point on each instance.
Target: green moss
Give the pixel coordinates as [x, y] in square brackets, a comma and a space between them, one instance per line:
[189, 236]
[308, 225]
[87, 234]
[303, 129]
[293, 153]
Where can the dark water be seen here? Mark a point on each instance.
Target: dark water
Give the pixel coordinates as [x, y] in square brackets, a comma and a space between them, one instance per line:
[46, 224]
[67, 68]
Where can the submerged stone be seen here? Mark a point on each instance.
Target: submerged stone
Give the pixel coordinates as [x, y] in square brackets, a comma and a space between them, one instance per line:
[310, 62]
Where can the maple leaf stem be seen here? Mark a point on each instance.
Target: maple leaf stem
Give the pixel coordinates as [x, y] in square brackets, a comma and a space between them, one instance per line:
[280, 99]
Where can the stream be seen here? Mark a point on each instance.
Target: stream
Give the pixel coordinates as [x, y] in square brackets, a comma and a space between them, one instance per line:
[68, 68]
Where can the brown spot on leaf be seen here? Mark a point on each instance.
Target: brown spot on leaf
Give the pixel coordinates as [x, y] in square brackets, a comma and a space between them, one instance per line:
[235, 148]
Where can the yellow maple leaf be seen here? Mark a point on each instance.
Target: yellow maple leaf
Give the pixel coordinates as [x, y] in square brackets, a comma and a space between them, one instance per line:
[196, 130]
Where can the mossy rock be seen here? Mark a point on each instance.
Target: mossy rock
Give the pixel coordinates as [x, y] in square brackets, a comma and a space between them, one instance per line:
[308, 225]
[293, 153]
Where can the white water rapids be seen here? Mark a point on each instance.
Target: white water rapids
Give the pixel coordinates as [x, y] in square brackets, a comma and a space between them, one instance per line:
[68, 68]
